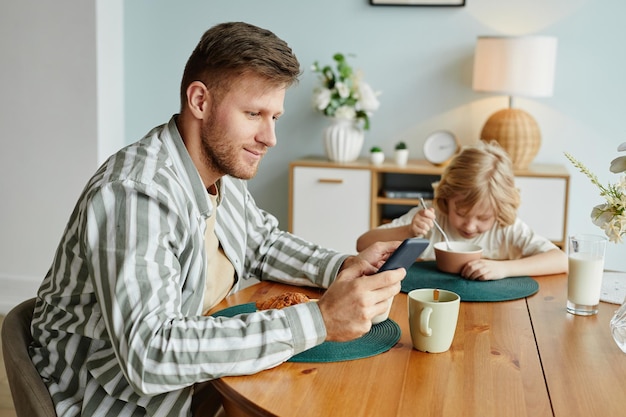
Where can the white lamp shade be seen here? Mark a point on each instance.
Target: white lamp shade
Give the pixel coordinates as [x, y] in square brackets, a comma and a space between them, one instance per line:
[515, 66]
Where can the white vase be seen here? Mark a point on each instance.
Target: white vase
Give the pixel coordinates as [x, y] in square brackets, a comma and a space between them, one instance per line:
[377, 158]
[343, 140]
[401, 156]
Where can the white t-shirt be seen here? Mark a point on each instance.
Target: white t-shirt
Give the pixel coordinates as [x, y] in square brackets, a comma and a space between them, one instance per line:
[510, 242]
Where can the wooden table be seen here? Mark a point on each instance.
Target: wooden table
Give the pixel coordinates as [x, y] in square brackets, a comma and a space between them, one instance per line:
[585, 371]
[527, 357]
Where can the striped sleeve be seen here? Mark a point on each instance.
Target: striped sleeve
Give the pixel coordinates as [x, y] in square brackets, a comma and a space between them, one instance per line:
[270, 253]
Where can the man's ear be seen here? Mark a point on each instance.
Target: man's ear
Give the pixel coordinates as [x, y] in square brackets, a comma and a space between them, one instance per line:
[198, 99]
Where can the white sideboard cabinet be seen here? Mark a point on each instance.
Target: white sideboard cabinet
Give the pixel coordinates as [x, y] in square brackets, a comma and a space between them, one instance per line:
[329, 205]
[334, 203]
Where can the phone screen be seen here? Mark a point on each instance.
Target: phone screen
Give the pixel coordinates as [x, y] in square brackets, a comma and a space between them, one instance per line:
[406, 254]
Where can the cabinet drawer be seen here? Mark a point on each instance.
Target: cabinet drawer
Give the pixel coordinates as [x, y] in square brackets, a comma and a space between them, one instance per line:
[331, 206]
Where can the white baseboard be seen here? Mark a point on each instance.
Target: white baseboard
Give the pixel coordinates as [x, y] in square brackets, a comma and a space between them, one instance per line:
[14, 290]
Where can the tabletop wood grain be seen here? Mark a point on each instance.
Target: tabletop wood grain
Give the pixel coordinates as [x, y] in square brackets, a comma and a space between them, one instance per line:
[584, 368]
[492, 369]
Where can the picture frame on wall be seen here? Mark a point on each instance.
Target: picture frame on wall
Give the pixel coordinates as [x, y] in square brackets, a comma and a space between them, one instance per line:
[449, 3]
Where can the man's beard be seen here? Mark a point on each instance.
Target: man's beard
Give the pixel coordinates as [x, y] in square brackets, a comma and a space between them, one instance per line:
[218, 154]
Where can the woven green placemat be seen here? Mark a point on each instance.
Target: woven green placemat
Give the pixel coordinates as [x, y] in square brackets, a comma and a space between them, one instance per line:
[426, 275]
[382, 337]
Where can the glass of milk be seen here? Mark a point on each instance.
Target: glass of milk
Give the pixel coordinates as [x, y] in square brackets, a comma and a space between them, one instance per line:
[584, 281]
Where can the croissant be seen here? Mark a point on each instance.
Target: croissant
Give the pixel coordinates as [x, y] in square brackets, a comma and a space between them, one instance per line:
[285, 299]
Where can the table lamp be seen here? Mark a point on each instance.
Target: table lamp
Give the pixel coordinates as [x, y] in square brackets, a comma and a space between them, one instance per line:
[515, 66]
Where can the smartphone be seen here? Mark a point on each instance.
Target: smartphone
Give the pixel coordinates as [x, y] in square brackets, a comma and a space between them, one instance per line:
[406, 254]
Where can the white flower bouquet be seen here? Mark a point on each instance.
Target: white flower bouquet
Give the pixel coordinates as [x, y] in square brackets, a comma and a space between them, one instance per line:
[611, 215]
[343, 94]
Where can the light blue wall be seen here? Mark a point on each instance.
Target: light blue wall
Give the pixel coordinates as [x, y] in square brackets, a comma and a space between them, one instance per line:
[421, 60]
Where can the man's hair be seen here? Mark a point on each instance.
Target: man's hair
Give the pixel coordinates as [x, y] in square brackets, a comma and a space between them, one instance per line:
[480, 173]
[229, 50]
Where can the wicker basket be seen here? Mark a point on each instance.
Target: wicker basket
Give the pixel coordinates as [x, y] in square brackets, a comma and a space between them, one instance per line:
[517, 132]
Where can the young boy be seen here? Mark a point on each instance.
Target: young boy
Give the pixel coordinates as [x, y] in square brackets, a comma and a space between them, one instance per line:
[476, 201]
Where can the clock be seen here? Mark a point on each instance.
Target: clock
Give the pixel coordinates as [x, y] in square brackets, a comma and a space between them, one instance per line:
[440, 147]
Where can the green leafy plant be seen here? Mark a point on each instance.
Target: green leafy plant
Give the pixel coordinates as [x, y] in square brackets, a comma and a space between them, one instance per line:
[401, 145]
[343, 93]
[375, 149]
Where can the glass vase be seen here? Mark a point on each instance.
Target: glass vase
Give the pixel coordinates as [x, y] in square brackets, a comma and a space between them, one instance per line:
[618, 327]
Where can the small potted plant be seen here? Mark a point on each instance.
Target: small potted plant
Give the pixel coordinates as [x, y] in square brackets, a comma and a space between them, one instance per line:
[401, 154]
[377, 156]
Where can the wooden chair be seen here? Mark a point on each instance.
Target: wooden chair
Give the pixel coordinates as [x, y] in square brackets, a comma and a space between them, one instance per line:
[30, 395]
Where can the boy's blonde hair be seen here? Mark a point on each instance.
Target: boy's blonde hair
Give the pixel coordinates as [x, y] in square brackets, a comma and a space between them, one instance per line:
[480, 173]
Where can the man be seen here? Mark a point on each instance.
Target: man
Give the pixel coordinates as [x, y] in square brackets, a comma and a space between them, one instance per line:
[166, 228]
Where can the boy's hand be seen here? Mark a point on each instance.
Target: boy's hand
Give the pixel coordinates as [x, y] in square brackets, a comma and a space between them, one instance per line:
[423, 221]
[484, 270]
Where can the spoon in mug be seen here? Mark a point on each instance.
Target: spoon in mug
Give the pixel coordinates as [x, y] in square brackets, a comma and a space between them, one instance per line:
[437, 226]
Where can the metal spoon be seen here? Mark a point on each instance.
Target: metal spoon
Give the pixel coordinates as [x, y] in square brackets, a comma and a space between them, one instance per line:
[437, 226]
